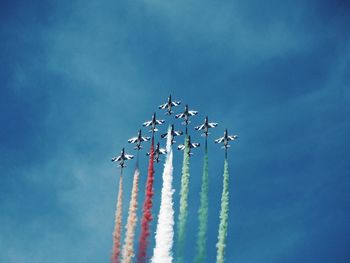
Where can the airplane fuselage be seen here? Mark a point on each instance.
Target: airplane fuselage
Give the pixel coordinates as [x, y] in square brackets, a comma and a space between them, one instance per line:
[156, 156]
[139, 140]
[154, 123]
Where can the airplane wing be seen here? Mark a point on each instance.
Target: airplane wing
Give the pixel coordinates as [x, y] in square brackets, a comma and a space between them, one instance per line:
[178, 133]
[192, 112]
[163, 106]
[178, 116]
[128, 156]
[162, 151]
[181, 147]
[160, 121]
[116, 159]
[212, 124]
[219, 140]
[200, 127]
[165, 135]
[145, 139]
[175, 103]
[132, 140]
[195, 144]
[147, 123]
[232, 137]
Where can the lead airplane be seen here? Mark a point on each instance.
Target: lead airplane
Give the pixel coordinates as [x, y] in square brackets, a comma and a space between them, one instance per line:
[168, 105]
[138, 140]
[225, 139]
[153, 123]
[190, 145]
[205, 126]
[122, 158]
[157, 152]
[173, 133]
[185, 115]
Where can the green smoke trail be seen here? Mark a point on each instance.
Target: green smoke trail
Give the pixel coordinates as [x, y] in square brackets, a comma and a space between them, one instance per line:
[220, 245]
[203, 212]
[182, 219]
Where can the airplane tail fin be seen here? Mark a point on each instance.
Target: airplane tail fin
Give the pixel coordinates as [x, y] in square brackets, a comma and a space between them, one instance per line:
[184, 122]
[154, 130]
[190, 154]
[225, 147]
[138, 147]
[205, 134]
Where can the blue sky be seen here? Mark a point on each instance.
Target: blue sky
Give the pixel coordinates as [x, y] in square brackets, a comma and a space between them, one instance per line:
[78, 79]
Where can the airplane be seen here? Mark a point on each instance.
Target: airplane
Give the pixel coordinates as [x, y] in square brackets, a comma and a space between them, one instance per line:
[153, 123]
[169, 105]
[186, 114]
[138, 140]
[122, 157]
[173, 134]
[226, 139]
[205, 126]
[157, 152]
[190, 145]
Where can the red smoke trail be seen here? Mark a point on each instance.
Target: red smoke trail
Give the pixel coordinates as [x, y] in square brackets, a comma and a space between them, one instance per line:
[147, 209]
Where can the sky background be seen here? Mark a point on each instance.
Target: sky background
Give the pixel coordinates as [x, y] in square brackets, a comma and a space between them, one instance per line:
[79, 77]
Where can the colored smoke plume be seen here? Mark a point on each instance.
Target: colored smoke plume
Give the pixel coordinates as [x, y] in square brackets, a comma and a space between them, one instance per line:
[118, 223]
[147, 209]
[128, 248]
[182, 219]
[162, 252]
[221, 244]
[203, 213]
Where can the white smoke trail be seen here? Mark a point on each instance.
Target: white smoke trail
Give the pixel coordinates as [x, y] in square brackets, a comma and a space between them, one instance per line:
[162, 252]
[118, 223]
[128, 248]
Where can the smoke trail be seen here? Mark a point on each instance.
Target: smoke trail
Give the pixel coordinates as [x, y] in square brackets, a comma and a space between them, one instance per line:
[147, 209]
[203, 212]
[220, 245]
[182, 219]
[118, 222]
[165, 228]
[128, 249]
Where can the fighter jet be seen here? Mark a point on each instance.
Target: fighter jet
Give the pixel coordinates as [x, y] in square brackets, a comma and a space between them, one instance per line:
[173, 134]
[138, 140]
[190, 145]
[169, 105]
[185, 115]
[157, 152]
[205, 126]
[226, 139]
[153, 123]
[122, 157]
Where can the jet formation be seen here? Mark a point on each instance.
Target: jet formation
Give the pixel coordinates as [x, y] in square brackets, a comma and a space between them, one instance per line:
[173, 133]
[190, 145]
[154, 122]
[168, 105]
[205, 126]
[122, 158]
[138, 140]
[157, 152]
[225, 139]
